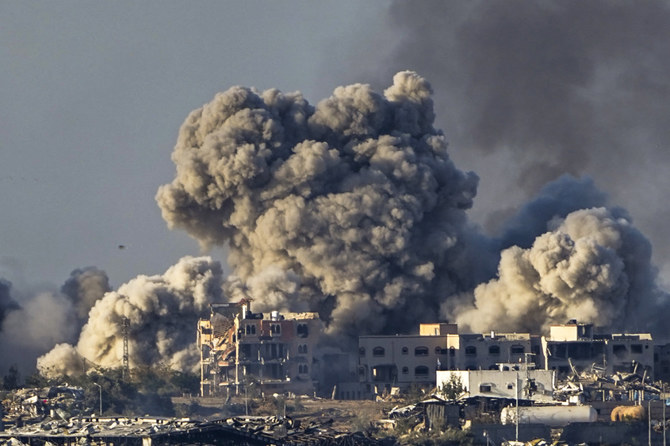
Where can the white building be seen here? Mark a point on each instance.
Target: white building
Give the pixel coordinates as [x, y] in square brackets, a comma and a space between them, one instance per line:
[503, 382]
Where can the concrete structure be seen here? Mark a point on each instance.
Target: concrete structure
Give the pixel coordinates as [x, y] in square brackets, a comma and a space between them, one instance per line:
[531, 383]
[662, 362]
[399, 361]
[577, 344]
[403, 360]
[238, 347]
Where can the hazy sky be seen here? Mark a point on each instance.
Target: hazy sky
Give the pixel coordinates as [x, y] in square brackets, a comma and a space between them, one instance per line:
[92, 95]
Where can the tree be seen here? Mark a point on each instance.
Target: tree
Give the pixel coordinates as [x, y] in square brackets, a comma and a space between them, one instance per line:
[11, 379]
[453, 388]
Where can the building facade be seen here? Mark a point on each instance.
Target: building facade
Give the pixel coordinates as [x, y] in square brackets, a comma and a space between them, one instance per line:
[238, 347]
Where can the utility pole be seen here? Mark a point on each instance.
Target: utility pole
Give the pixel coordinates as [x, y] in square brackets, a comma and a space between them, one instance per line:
[126, 363]
[100, 389]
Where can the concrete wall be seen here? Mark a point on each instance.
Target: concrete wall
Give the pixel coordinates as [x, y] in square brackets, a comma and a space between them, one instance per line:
[497, 433]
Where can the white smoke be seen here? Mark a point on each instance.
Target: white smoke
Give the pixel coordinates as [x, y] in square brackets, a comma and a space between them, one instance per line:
[351, 208]
[593, 266]
[162, 312]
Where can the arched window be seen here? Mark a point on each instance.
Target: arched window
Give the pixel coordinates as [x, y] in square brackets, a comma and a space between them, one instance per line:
[421, 371]
[302, 330]
[470, 350]
[303, 369]
[494, 350]
[405, 370]
[378, 351]
[405, 350]
[421, 351]
[302, 348]
[361, 351]
[517, 349]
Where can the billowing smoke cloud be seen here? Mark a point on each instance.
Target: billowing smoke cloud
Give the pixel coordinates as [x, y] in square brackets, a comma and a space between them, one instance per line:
[529, 91]
[162, 312]
[593, 266]
[32, 321]
[351, 208]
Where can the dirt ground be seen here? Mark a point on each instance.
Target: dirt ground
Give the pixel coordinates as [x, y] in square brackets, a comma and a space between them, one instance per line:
[346, 415]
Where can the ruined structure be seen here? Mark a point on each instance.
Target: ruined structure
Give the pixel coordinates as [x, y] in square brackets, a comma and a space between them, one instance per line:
[239, 347]
[400, 361]
[573, 348]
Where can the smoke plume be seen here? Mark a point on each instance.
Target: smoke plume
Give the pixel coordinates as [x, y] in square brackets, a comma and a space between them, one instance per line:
[162, 312]
[592, 265]
[33, 321]
[351, 208]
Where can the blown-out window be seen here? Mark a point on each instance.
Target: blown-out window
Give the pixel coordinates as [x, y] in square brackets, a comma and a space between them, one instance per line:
[378, 351]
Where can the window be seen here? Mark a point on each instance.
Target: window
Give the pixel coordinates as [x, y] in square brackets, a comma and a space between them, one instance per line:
[510, 386]
[421, 351]
[493, 367]
[494, 350]
[251, 329]
[302, 349]
[517, 350]
[421, 371]
[470, 350]
[361, 351]
[485, 388]
[303, 369]
[206, 331]
[405, 350]
[619, 350]
[378, 351]
[405, 370]
[452, 351]
[302, 330]
[275, 329]
[636, 348]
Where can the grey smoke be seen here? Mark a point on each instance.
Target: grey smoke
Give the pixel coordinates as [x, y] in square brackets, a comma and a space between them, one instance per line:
[84, 288]
[32, 321]
[529, 91]
[162, 312]
[351, 208]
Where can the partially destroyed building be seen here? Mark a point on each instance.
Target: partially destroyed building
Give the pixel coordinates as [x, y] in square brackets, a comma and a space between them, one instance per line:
[239, 347]
[573, 348]
[570, 349]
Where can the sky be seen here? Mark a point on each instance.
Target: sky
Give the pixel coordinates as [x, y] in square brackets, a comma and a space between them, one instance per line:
[93, 94]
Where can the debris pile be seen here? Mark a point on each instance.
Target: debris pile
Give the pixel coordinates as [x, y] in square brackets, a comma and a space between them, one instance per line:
[28, 406]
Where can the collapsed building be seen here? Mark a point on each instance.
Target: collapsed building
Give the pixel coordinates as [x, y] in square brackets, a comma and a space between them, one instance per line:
[239, 348]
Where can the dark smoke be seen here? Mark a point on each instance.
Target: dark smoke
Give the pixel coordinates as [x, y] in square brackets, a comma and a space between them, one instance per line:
[529, 91]
[351, 208]
[7, 304]
[84, 288]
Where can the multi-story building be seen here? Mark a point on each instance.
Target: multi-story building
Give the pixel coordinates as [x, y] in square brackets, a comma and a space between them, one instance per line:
[403, 360]
[576, 346]
[399, 361]
[238, 346]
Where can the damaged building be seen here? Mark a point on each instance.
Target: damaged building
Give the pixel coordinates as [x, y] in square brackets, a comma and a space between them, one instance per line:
[574, 347]
[399, 361]
[239, 347]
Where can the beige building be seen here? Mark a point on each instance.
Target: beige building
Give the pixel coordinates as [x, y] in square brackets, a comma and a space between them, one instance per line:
[275, 352]
[402, 360]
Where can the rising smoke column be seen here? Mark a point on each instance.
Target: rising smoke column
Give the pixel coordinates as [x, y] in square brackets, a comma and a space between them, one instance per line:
[351, 208]
[162, 312]
[593, 266]
[84, 288]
